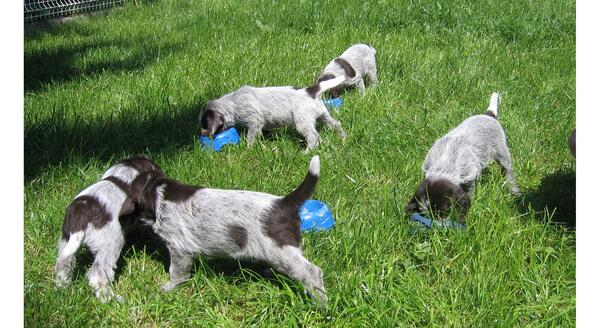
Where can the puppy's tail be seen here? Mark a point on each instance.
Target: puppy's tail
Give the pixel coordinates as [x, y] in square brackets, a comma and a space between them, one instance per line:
[66, 257]
[494, 104]
[370, 46]
[307, 187]
[324, 83]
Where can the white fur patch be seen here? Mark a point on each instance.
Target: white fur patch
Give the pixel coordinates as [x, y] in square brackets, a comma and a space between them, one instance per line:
[494, 103]
[72, 246]
[315, 166]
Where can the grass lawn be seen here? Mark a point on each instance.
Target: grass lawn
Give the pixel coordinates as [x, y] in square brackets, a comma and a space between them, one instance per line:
[101, 88]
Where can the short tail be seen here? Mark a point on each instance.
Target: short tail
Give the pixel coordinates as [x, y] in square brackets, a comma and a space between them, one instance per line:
[322, 85]
[66, 257]
[370, 46]
[494, 104]
[307, 187]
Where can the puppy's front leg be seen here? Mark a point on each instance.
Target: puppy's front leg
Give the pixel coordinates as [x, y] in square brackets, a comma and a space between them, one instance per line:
[179, 270]
[253, 131]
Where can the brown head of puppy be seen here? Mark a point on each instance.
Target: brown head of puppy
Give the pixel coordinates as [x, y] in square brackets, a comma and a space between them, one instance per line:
[141, 199]
[211, 121]
[437, 197]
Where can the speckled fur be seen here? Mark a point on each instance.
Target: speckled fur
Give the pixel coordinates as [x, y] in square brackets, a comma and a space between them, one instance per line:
[361, 57]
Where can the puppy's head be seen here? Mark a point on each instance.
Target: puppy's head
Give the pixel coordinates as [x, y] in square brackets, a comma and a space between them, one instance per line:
[142, 164]
[141, 199]
[211, 121]
[436, 198]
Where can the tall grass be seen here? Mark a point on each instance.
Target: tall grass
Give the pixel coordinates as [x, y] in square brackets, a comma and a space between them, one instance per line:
[98, 89]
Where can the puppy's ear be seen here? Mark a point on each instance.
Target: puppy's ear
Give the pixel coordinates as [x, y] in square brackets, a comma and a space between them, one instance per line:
[128, 207]
[412, 205]
[463, 202]
[211, 122]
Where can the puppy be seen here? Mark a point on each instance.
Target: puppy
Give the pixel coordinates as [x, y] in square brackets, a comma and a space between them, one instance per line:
[92, 219]
[354, 64]
[227, 223]
[271, 107]
[456, 160]
[571, 142]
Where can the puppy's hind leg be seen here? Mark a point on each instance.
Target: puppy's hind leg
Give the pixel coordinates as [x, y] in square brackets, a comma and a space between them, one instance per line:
[360, 86]
[306, 128]
[332, 123]
[102, 273]
[179, 270]
[292, 263]
[253, 131]
[372, 74]
[502, 156]
[66, 258]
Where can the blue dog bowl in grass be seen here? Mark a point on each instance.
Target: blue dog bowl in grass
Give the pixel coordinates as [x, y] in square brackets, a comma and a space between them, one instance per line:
[226, 137]
[315, 216]
[429, 223]
[334, 103]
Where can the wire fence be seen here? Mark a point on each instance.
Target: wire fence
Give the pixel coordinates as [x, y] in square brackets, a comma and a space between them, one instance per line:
[44, 9]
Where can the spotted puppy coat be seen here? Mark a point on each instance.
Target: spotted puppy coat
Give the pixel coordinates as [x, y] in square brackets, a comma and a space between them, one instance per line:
[268, 108]
[238, 224]
[455, 161]
[354, 64]
[93, 219]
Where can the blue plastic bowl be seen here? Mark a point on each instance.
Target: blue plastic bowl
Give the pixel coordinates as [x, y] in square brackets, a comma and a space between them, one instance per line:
[226, 137]
[315, 215]
[334, 103]
[436, 224]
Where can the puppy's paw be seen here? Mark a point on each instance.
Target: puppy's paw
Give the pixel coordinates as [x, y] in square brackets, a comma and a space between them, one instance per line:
[319, 296]
[105, 295]
[515, 191]
[168, 286]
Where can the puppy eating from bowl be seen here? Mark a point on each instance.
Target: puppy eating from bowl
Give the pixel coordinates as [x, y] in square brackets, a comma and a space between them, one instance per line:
[237, 224]
[356, 63]
[455, 161]
[268, 108]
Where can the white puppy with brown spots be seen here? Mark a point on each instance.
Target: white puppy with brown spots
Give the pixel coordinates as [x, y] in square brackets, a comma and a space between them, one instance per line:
[356, 63]
[94, 218]
[239, 224]
[271, 107]
[455, 161]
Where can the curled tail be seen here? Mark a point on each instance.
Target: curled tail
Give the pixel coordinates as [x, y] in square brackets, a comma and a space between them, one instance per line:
[493, 107]
[324, 83]
[282, 222]
[307, 187]
[66, 257]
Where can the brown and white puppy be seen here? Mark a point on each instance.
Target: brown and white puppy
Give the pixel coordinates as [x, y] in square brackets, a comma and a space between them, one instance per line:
[455, 161]
[93, 219]
[572, 142]
[248, 225]
[356, 63]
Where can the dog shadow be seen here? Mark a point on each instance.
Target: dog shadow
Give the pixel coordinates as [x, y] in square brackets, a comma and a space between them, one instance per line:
[236, 272]
[141, 238]
[555, 195]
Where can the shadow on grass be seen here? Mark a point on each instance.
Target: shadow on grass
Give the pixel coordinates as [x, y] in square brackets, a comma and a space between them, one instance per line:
[143, 239]
[58, 140]
[556, 193]
[84, 54]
